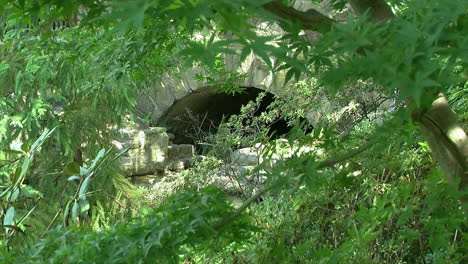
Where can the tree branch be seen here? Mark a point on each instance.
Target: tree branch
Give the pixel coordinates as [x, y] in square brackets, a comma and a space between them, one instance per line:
[378, 10]
[310, 19]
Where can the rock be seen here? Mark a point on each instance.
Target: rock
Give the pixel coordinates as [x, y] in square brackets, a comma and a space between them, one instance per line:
[146, 180]
[151, 152]
[147, 150]
[176, 165]
[179, 164]
[246, 157]
[227, 184]
[182, 151]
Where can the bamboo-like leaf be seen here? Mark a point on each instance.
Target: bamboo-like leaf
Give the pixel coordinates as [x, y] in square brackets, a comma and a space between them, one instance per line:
[118, 155]
[84, 207]
[9, 217]
[75, 211]
[83, 171]
[24, 168]
[14, 227]
[25, 216]
[29, 192]
[73, 178]
[4, 67]
[66, 213]
[41, 139]
[291, 72]
[12, 151]
[97, 159]
[7, 190]
[18, 82]
[84, 187]
[15, 194]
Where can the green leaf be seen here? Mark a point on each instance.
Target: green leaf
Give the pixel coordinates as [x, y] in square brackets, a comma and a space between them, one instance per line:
[97, 159]
[11, 151]
[245, 53]
[9, 218]
[72, 168]
[74, 177]
[84, 187]
[41, 139]
[66, 213]
[25, 147]
[29, 192]
[74, 211]
[291, 72]
[14, 196]
[265, 57]
[84, 207]
[5, 192]
[83, 171]
[4, 67]
[118, 155]
[24, 168]
[14, 227]
[25, 216]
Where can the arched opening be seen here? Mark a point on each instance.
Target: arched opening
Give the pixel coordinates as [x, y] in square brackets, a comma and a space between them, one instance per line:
[202, 111]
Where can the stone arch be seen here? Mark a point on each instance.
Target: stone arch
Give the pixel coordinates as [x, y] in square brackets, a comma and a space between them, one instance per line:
[172, 87]
[202, 111]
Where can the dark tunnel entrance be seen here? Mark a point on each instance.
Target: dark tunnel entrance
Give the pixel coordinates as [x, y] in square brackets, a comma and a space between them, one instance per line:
[202, 111]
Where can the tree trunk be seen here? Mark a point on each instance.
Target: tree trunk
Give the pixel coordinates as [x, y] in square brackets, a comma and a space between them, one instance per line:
[448, 142]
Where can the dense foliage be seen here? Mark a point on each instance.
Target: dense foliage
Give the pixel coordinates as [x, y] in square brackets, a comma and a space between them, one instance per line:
[385, 181]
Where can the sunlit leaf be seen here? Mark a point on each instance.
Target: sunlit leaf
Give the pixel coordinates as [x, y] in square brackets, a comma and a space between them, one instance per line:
[73, 178]
[66, 213]
[29, 192]
[4, 67]
[84, 207]
[15, 194]
[75, 211]
[9, 217]
[25, 147]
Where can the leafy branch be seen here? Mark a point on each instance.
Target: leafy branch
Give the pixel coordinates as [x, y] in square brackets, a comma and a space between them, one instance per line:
[321, 165]
[16, 189]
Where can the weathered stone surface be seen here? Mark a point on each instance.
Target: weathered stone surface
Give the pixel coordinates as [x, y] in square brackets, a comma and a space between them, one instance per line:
[182, 151]
[176, 165]
[146, 180]
[179, 164]
[164, 94]
[150, 151]
[246, 157]
[147, 150]
[145, 103]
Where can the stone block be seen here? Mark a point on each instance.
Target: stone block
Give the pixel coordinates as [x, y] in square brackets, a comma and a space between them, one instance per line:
[181, 151]
[147, 151]
[245, 157]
